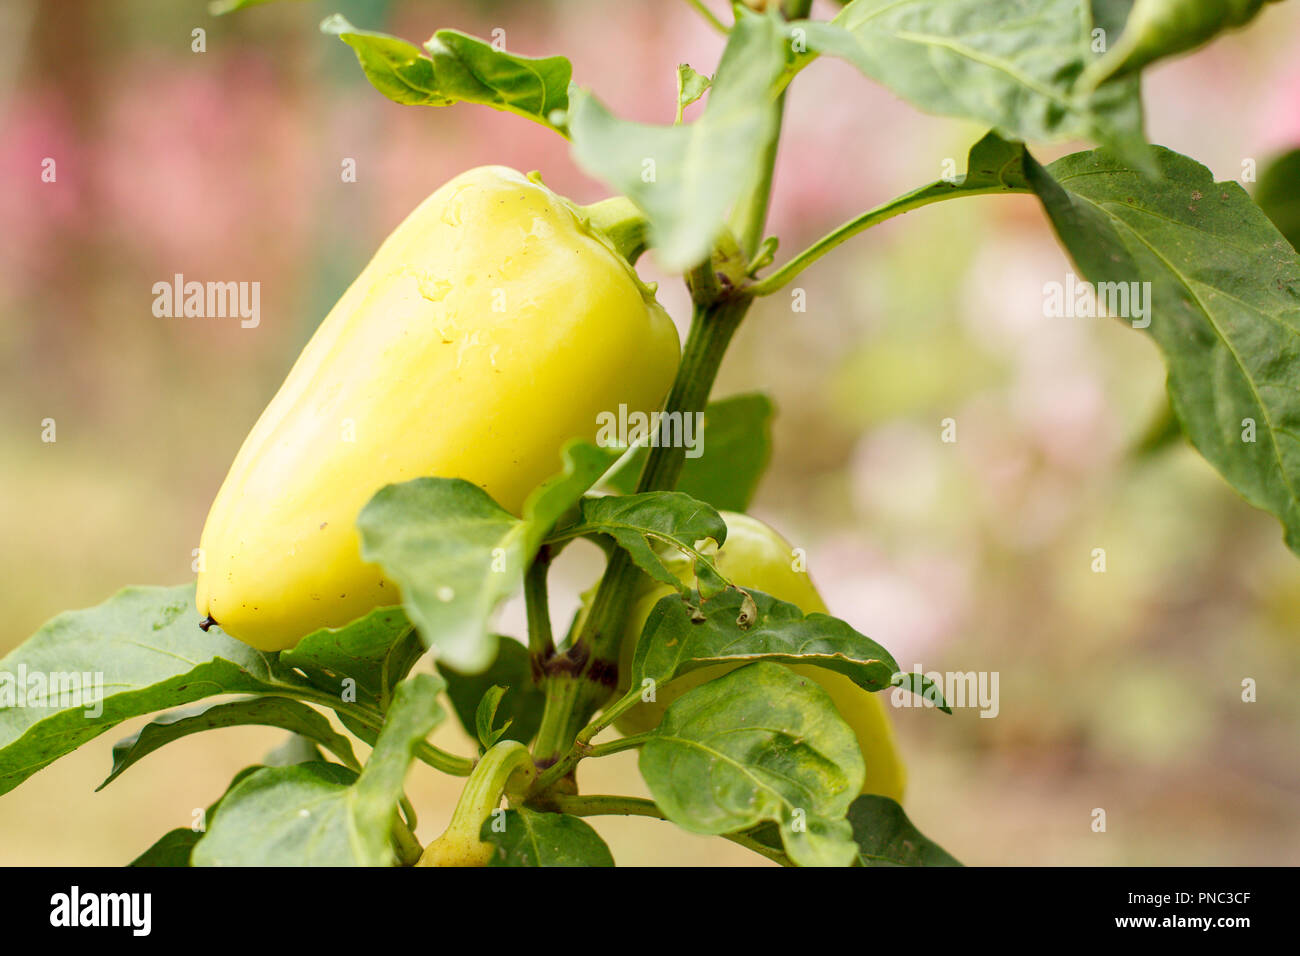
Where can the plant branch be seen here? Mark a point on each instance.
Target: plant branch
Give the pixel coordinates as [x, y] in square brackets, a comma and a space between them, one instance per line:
[408, 847]
[582, 742]
[750, 216]
[602, 805]
[924, 196]
[582, 746]
[706, 343]
[537, 605]
[712, 328]
[408, 812]
[441, 760]
[709, 16]
[617, 746]
[372, 719]
[762, 849]
[610, 714]
[580, 679]
[562, 714]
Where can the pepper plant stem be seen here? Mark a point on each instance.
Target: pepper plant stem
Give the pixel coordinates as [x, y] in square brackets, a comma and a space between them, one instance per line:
[537, 605]
[706, 343]
[563, 714]
[582, 741]
[597, 805]
[750, 215]
[579, 680]
[709, 16]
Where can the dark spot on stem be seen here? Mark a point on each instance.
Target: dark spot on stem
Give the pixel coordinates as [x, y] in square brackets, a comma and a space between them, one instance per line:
[604, 672]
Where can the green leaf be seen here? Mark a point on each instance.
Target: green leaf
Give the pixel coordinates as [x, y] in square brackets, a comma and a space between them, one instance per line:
[456, 554]
[140, 651]
[315, 814]
[1156, 29]
[690, 87]
[476, 71]
[520, 708]
[687, 178]
[558, 496]
[1013, 66]
[486, 714]
[1278, 194]
[364, 659]
[175, 847]
[886, 837]
[883, 833]
[263, 711]
[458, 68]
[530, 838]
[1224, 305]
[415, 712]
[295, 749]
[759, 743]
[676, 639]
[396, 68]
[287, 816]
[639, 522]
[992, 165]
[922, 687]
[736, 445]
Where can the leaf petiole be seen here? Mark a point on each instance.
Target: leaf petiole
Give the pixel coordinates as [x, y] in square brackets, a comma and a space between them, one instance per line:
[932, 193]
[598, 805]
[709, 16]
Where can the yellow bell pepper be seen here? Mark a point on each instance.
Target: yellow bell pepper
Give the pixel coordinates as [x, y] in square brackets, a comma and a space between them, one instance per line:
[490, 328]
[755, 556]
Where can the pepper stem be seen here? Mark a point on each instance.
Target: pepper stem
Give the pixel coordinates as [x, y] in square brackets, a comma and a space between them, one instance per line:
[571, 698]
[622, 222]
[507, 765]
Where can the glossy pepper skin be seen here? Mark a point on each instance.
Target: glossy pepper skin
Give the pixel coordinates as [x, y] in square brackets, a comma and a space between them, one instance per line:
[755, 556]
[491, 327]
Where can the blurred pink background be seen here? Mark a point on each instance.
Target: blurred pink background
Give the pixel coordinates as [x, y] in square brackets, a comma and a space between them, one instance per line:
[1119, 690]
